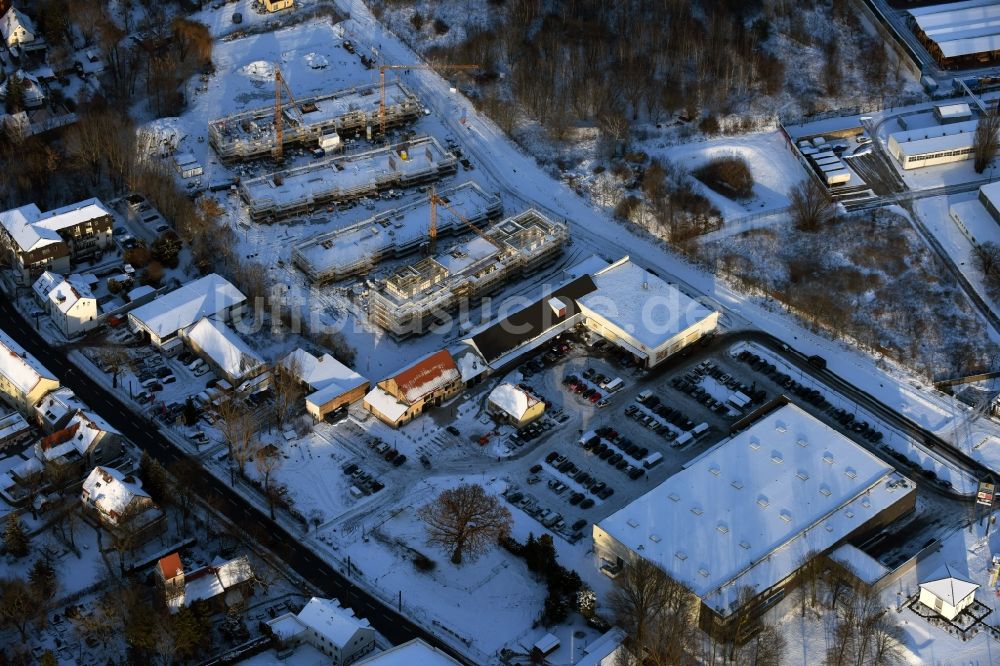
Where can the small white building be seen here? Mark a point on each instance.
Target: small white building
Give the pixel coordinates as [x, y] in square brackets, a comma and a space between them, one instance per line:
[331, 384]
[947, 593]
[16, 28]
[514, 405]
[327, 626]
[210, 296]
[952, 113]
[69, 301]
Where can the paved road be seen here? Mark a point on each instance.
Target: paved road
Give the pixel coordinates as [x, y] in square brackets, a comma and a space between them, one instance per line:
[286, 545]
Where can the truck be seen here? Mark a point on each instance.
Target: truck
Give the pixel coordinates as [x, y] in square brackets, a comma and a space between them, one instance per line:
[652, 460]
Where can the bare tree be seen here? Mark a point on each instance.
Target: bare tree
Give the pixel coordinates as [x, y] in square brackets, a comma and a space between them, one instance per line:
[765, 648]
[864, 634]
[987, 258]
[811, 205]
[18, 605]
[267, 463]
[985, 143]
[657, 613]
[466, 520]
[286, 388]
[239, 431]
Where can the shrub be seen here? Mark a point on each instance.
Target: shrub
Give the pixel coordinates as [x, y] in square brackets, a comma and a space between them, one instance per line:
[729, 176]
[440, 27]
[709, 125]
[424, 563]
[417, 21]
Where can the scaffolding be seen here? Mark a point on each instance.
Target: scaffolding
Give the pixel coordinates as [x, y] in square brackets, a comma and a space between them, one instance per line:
[352, 112]
[358, 248]
[302, 189]
[418, 296]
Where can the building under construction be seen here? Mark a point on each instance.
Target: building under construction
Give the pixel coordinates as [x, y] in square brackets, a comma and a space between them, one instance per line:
[417, 296]
[348, 113]
[339, 179]
[357, 249]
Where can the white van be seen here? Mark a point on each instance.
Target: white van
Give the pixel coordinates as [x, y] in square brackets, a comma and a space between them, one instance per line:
[613, 385]
[682, 439]
[643, 396]
[652, 460]
[699, 430]
[739, 400]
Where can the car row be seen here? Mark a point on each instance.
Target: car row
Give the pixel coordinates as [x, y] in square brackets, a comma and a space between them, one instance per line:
[811, 395]
[363, 481]
[575, 385]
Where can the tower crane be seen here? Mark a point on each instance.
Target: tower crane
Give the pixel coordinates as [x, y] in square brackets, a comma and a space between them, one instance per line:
[279, 131]
[436, 201]
[381, 84]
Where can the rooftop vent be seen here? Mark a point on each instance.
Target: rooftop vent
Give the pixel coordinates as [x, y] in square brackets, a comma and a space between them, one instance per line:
[736, 484]
[828, 458]
[825, 490]
[681, 555]
[655, 538]
[723, 528]
[754, 443]
[674, 497]
[714, 469]
[866, 503]
[762, 501]
[745, 545]
[703, 571]
[851, 473]
[776, 457]
[696, 510]
[849, 513]
[801, 441]
[802, 474]
[786, 515]
[780, 426]
[632, 523]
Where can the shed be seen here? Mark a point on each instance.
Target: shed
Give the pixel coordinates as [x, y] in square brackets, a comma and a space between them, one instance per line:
[947, 593]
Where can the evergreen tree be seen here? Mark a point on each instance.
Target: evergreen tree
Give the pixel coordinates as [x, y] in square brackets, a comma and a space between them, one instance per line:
[15, 539]
[43, 579]
[154, 477]
[191, 628]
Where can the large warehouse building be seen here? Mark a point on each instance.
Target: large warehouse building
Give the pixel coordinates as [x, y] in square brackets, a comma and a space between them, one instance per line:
[748, 513]
[959, 34]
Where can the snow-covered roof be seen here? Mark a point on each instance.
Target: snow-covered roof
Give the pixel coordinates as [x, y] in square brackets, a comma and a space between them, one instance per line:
[225, 348]
[19, 223]
[860, 563]
[111, 492]
[961, 28]
[597, 651]
[184, 306]
[77, 435]
[513, 400]
[12, 424]
[386, 403]
[211, 581]
[947, 586]
[323, 372]
[332, 621]
[642, 305]
[19, 367]
[71, 215]
[992, 193]
[412, 653]
[934, 139]
[139, 292]
[66, 294]
[749, 511]
[954, 110]
[427, 375]
[469, 362]
[57, 404]
[13, 19]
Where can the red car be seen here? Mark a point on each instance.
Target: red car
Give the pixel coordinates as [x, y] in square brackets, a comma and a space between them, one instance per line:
[597, 396]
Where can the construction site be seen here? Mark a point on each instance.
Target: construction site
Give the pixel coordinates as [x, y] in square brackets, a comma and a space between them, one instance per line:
[416, 297]
[358, 248]
[346, 178]
[353, 112]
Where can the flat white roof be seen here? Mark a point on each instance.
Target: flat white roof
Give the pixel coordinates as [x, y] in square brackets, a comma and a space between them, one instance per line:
[992, 193]
[182, 307]
[411, 653]
[954, 110]
[226, 349]
[641, 304]
[860, 563]
[749, 511]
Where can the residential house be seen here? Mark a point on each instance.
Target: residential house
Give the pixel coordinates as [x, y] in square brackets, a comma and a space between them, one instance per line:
[35, 242]
[221, 584]
[13, 429]
[329, 383]
[278, 5]
[227, 354]
[84, 442]
[70, 302]
[56, 408]
[327, 626]
[426, 383]
[23, 380]
[163, 318]
[32, 92]
[120, 504]
[511, 404]
[16, 28]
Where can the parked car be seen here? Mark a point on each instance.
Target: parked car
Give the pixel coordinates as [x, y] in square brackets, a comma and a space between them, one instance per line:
[453, 430]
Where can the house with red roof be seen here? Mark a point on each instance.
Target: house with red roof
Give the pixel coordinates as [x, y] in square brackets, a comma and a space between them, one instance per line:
[426, 383]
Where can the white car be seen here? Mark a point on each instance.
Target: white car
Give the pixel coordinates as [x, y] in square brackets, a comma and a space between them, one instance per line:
[200, 370]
